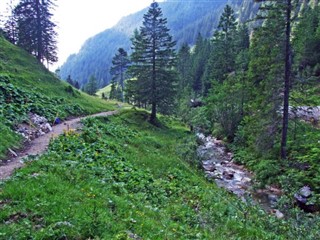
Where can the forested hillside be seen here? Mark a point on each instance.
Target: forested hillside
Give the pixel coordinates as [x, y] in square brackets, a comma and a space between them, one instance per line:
[186, 19]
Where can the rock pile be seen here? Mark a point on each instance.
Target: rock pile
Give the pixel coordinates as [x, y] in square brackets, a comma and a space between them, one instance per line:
[303, 199]
[36, 127]
[306, 113]
[218, 165]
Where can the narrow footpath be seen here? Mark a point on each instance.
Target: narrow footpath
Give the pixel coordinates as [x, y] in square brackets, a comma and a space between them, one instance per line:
[39, 145]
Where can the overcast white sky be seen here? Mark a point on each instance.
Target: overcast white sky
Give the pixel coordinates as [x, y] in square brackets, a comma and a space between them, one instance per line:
[80, 19]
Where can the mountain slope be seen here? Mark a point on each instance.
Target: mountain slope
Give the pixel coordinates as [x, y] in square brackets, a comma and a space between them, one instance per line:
[185, 20]
[27, 86]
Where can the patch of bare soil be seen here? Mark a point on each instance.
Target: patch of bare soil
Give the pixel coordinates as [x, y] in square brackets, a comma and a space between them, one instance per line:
[40, 144]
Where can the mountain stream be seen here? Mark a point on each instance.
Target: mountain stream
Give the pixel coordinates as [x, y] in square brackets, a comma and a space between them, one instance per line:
[217, 164]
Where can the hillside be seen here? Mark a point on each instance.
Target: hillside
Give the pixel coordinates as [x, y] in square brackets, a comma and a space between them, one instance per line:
[27, 86]
[123, 178]
[186, 19]
[106, 91]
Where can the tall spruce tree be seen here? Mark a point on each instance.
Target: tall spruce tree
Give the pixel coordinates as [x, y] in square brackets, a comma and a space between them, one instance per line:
[10, 24]
[225, 75]
[153, 59]
[271, 72]
[92, 86]
[70, 81]
[120, 64]
[199, 60]
[184, 66]
[286, 9]
[35, 29]
[223, 55]
[306, 43]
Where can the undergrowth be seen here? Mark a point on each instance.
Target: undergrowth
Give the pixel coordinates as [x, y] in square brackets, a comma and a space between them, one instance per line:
[301, 168]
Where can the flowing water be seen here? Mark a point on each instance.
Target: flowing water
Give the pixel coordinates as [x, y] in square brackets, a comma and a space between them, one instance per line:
[218, 165]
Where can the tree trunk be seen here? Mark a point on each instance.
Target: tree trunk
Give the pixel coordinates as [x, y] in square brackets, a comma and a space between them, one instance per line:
[153, 86]
[153, 115]
[288, 64]
[122, 81]
[39, 32]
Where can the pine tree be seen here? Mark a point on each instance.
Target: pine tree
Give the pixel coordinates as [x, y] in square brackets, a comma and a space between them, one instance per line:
[306, 42]
[112, 94]
[120, 64]
[224, 76]
[76, 84]
[184, 66]
[222, 59]
[92, 86]
[153, 59]
[70, 81]
[271, 74]
[10, 25]
[35, 29]
[199, 60]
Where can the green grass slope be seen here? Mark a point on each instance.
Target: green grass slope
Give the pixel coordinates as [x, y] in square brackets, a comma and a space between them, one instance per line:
[27, 86]
[122, 178]
[106, 90]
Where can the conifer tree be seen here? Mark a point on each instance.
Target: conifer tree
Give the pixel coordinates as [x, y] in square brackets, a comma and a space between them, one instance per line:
[70, 81]
[271, 72]
[35, 29]
[306, 43]
[222, 59]
[225, 77]
[184, 66]
[76, 84]
[153, 59]
[10, 24]
[92, 86]
[200, 57]
[120, 64]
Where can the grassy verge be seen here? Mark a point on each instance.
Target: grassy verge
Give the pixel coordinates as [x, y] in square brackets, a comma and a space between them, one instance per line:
[122, 178]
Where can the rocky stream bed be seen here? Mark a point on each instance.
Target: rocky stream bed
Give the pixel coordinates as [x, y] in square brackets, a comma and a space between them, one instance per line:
[217, 164]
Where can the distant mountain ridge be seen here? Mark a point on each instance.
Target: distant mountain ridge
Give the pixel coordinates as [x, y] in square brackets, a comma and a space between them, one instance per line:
[186, 19]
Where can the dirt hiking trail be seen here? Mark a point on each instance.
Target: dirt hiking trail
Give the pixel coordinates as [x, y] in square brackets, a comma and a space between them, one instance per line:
[40, 144]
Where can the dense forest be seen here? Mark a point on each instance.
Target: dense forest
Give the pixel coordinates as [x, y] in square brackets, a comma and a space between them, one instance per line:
[260, 93]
